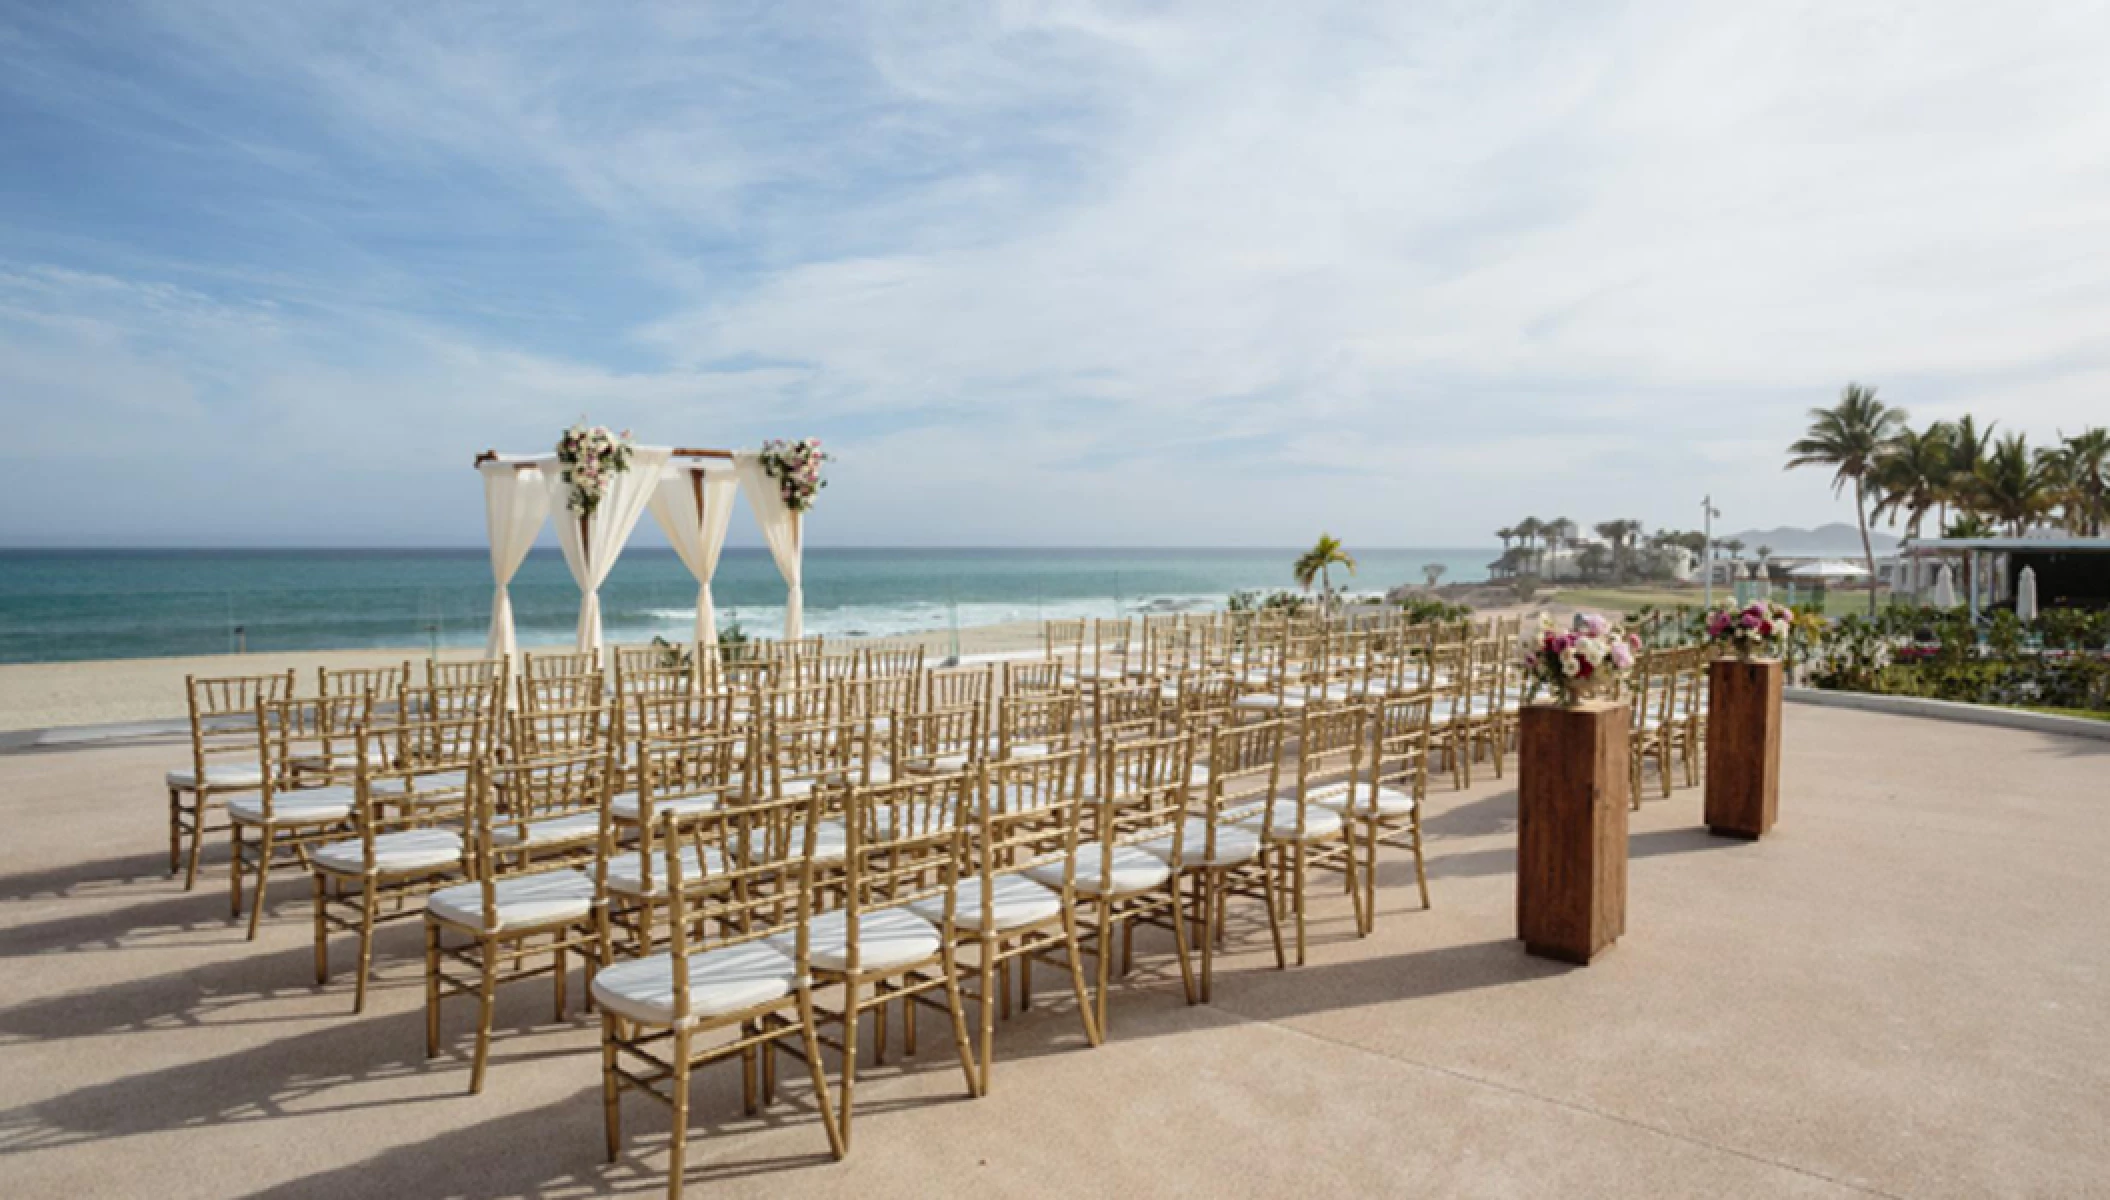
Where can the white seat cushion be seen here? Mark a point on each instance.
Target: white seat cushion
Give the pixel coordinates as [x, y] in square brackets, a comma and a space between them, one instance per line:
[437, 781]
[1391, 802]
[831, 841]
[219, 775]
[1031, 749]
[1135, 870]
[397, 853]
[728, 979]
[1016, 901]
[886, 937]
[310, 806]
[625, 805]
[521, 901]
[566, 830]
[1318, 821]
[626, 871]
[1234, 844]
[1269, 701]
[376, 754]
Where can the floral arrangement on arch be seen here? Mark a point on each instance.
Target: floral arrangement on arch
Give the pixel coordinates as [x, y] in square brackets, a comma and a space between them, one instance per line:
[1590, 658]
[592, 456]
[796, 466]
[1758, 628]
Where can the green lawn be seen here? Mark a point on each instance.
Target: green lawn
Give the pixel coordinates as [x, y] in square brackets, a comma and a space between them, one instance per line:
[1628, 599]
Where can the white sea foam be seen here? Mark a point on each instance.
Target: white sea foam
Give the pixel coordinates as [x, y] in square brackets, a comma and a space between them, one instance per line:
[882, 620]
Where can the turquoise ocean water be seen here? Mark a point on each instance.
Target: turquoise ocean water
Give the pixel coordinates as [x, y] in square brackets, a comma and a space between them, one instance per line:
[58, 605]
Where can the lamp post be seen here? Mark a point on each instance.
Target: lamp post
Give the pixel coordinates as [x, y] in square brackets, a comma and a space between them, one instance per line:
[1708, 512]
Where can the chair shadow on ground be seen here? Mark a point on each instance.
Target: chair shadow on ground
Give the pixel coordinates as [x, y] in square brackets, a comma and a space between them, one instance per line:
[77, 880]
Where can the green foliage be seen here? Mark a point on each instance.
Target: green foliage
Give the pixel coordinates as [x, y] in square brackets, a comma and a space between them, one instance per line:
[1278, 601]
[1428, 608]
[2057, 661]
[670, 654]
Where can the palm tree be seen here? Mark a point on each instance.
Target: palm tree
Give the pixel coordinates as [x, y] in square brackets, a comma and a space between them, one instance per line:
[1735, 547]
[2081, 464]
[2015, 485]
[1913, 476]
[1317, 562]
[1559, 531]
[1621, 534]
[1849, 438]
[1528, 530]
[1764, 553]
[1433, 572]
[1968, 447]
[1507, 535]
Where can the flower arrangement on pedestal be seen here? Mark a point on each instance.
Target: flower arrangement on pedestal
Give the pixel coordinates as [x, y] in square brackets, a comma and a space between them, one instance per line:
[592, 456]
[1759, 628]
[1589, 659]
[796, 466]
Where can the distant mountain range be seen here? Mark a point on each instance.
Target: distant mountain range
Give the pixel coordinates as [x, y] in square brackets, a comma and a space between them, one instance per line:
[1838, 538]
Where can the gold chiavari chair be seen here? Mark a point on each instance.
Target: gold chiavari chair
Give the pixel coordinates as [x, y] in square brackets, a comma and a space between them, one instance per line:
[1293, 678]
[902, 851]
[392, 860]
[544, 823]
[1385, 807]
[800, 702]
[1063, 642]
[1027, 726]
[1296, 832]
[1112, 650]
[1487, 712]
[1138, 803]
[1123, 710]
[1450, 724]
[556, 731]
[1202, 700]
[958, 687]
[891, 660]
[291, 809]
[738, 960]
[438, 736]
[223, 759]
[1689, 714]
[1026, 816]
[682, 774]
[881, 698]
[468, 672]
[497, 927]
[1652, 700]
[560, 666]
[1217, 853]
[540, 693]
[1034, 678]
[938, 741]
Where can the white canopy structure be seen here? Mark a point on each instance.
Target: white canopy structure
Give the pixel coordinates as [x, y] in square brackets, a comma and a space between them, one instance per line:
[1830, 568]
[690, 493]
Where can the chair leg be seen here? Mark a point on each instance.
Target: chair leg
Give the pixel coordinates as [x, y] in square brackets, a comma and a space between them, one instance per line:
[197, 838]
[1105, 945]
[678, 1148]
[367, 903]
[322, 931]
[849, 1078]
[563, 969]
[809, 1031]
[432, 989]
[956, 1005]
[486, 1012]
[265, 849]
[1297, 898]
[1084, 999]
[612, 1087]
[234, 871]
[1421, 866]
[175, 832]
[1205, 889]
[987, 980]
[1270, 865]
[1179, 939]
[1354, 873]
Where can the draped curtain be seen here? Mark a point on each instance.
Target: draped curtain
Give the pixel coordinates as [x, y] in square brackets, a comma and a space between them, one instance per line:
[515, 503]
[591, 545]
[694, 505]
[780, 530]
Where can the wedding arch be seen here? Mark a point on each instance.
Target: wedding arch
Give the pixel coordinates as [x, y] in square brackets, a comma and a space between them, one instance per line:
[690, 492]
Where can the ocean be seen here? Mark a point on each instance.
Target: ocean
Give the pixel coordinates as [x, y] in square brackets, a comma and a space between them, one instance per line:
[63, 605]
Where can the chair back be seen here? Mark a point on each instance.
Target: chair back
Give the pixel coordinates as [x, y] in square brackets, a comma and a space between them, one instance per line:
[547, 732]
[466, 672]
[957, 687]
[748, 874]
[1027, 812]
[223, 717]
[1141, 796]
[1047, 720]
[922, 737]
[506, 798]
[903, 842]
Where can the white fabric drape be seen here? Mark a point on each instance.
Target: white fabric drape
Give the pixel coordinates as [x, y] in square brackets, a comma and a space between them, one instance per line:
[591, 546]
[515, 503]
[694, 505]
[780, 530]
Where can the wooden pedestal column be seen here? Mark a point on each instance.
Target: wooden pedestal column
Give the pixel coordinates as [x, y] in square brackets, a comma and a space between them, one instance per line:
[1571, 829]
[1743, 746]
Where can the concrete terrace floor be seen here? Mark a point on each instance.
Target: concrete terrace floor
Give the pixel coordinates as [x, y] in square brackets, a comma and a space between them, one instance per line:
[1905, 991]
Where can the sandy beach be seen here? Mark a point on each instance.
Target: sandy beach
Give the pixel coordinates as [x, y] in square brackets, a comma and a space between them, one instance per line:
[65, 695]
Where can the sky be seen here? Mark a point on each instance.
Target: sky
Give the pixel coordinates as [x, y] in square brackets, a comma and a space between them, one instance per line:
[1039, 274]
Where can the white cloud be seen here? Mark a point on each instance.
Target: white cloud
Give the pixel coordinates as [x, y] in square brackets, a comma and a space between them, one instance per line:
[1404, 272]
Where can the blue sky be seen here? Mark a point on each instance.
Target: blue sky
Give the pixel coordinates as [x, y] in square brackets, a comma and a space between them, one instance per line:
[1041, 273]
